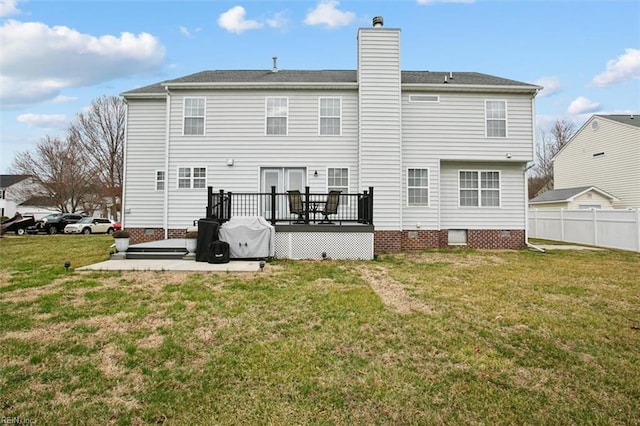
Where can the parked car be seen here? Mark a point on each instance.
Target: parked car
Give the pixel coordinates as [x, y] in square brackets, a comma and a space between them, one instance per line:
[54, 223]
[90, 225]
[17, 224]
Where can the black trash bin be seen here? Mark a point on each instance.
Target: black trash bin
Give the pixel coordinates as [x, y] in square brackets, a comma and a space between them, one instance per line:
[207, 233]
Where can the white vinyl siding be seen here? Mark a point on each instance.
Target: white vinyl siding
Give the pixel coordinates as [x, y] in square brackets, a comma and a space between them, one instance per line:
[455, 129]
[160, 180]
[616, 172]
[479, 188]
[145, 154]
[194, 116]
[330, 116]
[417, 187]
[509, 215]
[424, 98]
[277, 112]
[381, 133]
[496, 116]
[192, 177]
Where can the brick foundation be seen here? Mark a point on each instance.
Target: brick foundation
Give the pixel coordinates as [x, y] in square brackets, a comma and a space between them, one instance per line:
[396, 241]
[391, 241]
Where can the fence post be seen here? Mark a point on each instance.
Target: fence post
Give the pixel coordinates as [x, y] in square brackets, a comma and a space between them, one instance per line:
[209, 211]
[638, 227]
[306, 205]
[595, 227]
[370, 202]
[273, 205]
[561, 224]
[230, 198]
[220, 205]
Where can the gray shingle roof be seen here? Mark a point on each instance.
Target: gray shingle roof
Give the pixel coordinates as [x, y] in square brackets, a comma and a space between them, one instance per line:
[630, 119]
[559, 195]
[8, 180]
[328, 76]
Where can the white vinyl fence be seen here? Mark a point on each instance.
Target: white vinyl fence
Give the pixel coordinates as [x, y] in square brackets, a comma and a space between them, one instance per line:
[605, 228]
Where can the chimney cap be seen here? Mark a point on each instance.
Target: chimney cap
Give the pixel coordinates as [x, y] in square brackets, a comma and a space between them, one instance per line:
[378, 22]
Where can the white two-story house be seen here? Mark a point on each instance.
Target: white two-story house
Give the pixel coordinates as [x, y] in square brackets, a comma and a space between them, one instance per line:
[445, 152]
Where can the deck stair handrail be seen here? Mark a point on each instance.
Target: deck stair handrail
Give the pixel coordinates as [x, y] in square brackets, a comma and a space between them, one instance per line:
[274, 206]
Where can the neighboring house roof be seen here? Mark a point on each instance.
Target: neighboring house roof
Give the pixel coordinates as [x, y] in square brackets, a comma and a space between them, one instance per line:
[468, 79]
[629, 119]
[568, 194]
[9, 180]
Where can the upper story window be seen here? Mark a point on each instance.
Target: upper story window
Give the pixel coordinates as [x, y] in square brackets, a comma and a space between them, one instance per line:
[192, 177]
[277, 113]
[194, 116]
[159, 180]
[418, 187]
[496, 119]
[330, 116]
[479, 188]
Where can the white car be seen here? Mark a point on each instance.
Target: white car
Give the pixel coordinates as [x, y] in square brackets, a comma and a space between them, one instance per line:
[90, 225]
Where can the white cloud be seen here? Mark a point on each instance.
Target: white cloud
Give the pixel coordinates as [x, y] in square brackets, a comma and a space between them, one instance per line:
[551, 85]
[189, 33]
[234, 20]
[278, 21]
[9, 7]
[444, 1]
[624, 67]
[44, 121]
[326, 13]
[39, 61]
[582, 105]
[62, 99]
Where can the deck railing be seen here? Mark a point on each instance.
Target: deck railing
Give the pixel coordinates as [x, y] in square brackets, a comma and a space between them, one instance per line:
[274, 206]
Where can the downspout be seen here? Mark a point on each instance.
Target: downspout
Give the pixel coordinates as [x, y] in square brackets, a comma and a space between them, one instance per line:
[124, 164]
[526, 179]
[166, 165]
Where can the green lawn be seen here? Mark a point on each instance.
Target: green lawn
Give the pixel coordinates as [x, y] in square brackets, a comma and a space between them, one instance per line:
[436, 337]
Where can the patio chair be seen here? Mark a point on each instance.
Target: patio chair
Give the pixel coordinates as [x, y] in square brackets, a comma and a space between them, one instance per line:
[295, 204]
[331, 206]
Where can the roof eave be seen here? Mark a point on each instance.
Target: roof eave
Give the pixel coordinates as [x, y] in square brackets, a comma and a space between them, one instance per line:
[263, 85]
[449, 87]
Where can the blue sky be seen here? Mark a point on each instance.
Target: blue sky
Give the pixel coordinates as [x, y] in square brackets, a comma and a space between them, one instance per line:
[56, 56]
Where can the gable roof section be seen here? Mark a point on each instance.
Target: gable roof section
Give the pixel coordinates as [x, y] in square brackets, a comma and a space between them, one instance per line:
[444, 80]
[630, 119]
[568, 194]
[9, 180]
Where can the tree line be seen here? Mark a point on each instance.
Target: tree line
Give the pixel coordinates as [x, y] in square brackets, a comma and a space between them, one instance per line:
[548, 146]
[83, 170]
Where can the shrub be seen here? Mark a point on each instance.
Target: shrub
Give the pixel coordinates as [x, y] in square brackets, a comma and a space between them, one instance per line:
[191, 235]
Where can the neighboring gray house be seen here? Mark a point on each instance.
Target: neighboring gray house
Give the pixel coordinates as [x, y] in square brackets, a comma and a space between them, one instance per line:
[583, 197]
[605, 153]
[446, 152]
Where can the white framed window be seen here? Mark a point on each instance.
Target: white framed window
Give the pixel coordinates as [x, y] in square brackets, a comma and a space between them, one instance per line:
[496, 118]
[160, 180]
[338, 180]
[417, 187]
[277, 112]
[330, 116]
[479, 188]
[424, 98]
[193, 112]
[192, 177]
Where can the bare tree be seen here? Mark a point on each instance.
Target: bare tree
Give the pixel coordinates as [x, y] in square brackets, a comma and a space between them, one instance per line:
[548, 146]
[101, 131]
[56, 168]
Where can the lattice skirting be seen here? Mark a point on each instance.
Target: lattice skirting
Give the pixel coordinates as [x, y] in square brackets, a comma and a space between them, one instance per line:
[336, 245]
